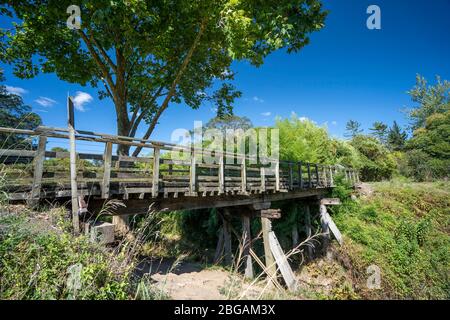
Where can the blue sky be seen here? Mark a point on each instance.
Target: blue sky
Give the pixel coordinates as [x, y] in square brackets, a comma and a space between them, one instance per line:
[346, 72]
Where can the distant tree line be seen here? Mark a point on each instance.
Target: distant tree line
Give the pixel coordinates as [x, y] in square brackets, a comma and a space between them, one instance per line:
[422, 150]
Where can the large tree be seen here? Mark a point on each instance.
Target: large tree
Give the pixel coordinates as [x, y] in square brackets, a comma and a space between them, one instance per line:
[429, 99]
[353, 128]
[380, 131]
[396, 138]
[149, 54]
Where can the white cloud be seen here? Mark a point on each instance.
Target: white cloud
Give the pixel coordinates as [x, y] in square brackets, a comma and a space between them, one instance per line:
[81, 99]
[258, 99]
[303, 119]
[16, 90]
[266, 114]
[45, 102]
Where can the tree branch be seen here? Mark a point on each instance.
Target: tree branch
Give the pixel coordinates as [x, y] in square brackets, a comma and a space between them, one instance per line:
[103, 52]
[173, 87]
[99, 62]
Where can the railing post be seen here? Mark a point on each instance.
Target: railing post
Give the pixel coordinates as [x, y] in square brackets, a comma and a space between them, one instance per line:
[300, 175]
[192, 175]
[277, 176]
[73, 166]
[263, 179]
[243, 176]
[308, 167]
[38, 170]
[106, 170]
[155, 180]
[317, 175]
[221, 174]
[291, 176]
[331, 177]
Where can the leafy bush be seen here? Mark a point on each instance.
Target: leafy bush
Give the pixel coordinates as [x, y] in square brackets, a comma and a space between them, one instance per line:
[403, 229]
[377, 163]
[36, 260]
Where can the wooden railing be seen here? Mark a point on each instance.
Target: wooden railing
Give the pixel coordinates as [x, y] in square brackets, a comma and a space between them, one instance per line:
[39, 173]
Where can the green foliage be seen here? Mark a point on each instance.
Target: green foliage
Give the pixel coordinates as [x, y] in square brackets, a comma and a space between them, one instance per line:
[429, 99]
[396, 137]
[380, 131]
[303, 140]
[403, 229]
[148, 55]
[15, 114]
[35, 262]
[428, 155]
[353, 128]
[377, 163]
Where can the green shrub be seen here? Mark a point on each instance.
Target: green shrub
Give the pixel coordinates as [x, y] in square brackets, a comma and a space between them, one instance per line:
[36, 260]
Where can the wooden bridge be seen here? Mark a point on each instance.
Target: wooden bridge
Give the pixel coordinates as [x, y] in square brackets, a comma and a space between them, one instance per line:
[38, 173]
[30, 172]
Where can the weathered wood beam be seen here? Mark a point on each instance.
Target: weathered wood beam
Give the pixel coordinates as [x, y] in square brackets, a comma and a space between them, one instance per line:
[38, 170]
[155, 180]
[106, 170]
[73, 166]
[271, 268]
[247, 244]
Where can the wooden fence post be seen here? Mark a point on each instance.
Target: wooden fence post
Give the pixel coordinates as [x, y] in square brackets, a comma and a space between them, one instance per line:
[291, 176]
[73, 166]
[155, 180]
[300, 175]
[263, 179]
[106, 170]
[308, 166]
[192, 175]
[243, 176]
[221, 174]
[38, 170]
[277, 176]
[317, 175]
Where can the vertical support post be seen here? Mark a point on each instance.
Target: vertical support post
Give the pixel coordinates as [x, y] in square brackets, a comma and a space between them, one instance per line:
[308, 166]
[155, 178]
[294, 235]
[317, 175]
[300, 175]
[357, 177]
[271, 268]
[228, 256]
[308, 230]
[277, 176]
[38, 170]
[219, 248]
[73, 166]
[170, 169]
[106, 170]
[192, 175]
[263, 179]
[221, 174]
[331, 177]
[325, 226]
[247, 243]
[291, 176]
[243, 176]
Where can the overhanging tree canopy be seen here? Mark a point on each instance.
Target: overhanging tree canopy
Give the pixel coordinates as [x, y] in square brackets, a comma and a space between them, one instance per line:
[148, 54]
